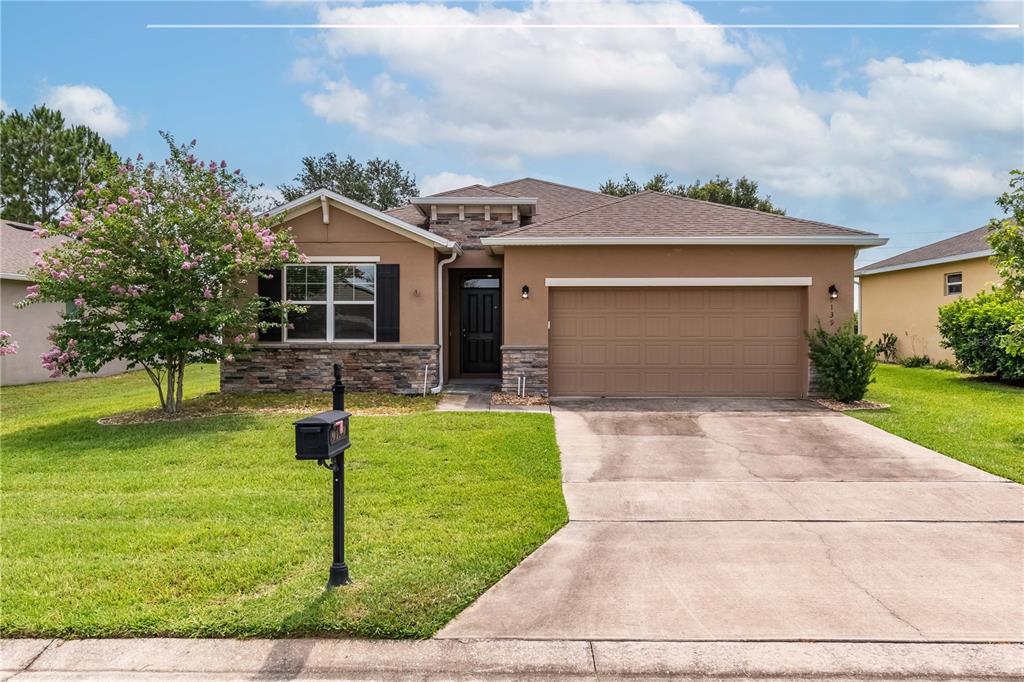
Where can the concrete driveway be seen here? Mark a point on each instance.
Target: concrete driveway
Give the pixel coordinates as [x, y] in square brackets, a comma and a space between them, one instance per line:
[761, 520]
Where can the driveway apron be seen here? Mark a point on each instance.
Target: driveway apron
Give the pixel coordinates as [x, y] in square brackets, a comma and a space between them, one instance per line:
[735, 519]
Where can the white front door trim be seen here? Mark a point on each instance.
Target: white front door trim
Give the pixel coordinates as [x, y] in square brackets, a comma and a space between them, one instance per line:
[678, 281]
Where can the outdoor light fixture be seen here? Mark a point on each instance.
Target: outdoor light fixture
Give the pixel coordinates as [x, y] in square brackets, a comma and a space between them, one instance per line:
[526, 291]
[833, 293]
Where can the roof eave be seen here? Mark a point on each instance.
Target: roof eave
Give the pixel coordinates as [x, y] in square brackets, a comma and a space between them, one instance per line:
[869, 270]
[390, 222]
[497, 244]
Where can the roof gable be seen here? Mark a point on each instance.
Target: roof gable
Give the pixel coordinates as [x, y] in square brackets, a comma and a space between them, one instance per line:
[316, 200]
[964, 246]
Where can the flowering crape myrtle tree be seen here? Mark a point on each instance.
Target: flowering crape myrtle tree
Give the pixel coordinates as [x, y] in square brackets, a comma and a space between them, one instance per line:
[156, 261]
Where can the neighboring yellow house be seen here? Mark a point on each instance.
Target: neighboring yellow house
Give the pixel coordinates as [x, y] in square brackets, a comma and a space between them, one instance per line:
[902, 294]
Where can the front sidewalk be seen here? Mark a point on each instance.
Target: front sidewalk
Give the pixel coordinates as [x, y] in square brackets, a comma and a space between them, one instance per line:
[286, 659]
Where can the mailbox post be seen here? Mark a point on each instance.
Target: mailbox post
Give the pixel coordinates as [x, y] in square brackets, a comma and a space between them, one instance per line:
[324, 437]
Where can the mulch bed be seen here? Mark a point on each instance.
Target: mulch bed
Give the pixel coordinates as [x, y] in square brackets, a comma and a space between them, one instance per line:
[837, 406]
[513, 399]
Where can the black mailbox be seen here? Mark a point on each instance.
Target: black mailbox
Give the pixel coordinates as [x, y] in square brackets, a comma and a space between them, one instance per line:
[322, 436]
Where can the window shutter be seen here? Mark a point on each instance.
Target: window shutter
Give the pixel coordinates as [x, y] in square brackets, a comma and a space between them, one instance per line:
[387, 303]
[270, 288]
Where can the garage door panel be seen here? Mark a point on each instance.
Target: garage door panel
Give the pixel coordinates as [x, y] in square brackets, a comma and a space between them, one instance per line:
[628, 354]
[677, 341]
[658, 354]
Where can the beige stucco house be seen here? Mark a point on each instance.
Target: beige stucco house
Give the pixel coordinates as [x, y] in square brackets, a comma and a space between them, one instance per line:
[29, 326]
[902, 295]
[566, 291]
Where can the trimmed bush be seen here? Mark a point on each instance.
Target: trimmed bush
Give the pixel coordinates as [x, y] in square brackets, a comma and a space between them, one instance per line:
[844, 361]
[916, 361]
[973, 329]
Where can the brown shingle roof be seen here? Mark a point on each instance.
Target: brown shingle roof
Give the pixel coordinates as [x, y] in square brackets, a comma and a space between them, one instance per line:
[16, 246]
[969, 242]
[553, 199]
[656, 214]
[473, 191]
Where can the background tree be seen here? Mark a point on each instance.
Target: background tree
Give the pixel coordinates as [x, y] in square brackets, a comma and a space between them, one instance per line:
[742, 193]
[156, 263]
[379, 183]
[43, 163]
[1006, 236]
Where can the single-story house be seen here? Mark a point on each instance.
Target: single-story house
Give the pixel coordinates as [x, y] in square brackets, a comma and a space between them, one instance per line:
[29, 326]
[902, 295]
[572, 292]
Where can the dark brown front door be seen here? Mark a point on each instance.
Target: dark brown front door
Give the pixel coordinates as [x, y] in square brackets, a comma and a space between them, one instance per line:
[481, 325]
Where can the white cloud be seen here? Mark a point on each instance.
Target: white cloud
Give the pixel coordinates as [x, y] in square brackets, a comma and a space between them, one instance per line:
[965, 180]
[446, 180]
[304, 70]
[696, 102]
[3, 106]
[90, 106]
[1002, 12]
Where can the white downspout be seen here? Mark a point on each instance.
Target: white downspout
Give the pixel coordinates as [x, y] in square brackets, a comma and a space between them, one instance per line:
[440, 320]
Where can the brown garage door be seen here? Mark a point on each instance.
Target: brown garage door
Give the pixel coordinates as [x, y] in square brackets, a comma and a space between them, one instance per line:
[677, 341]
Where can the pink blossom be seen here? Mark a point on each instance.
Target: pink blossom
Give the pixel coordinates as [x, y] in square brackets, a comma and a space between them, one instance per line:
[239, 338]
[80, 193]
[79, 301]
[202, 338]
[32, 291]
[186, 266]
[122, 200]
[184, 247]
[227, 247]
[176, 316]
[284, 254]
[207, 293]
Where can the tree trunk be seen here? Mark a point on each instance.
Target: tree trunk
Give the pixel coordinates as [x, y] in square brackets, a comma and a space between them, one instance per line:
[172, 375]
[181, 379]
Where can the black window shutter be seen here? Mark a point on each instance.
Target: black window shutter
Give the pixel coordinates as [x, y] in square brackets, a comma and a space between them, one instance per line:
[387, 303]
[270, 288]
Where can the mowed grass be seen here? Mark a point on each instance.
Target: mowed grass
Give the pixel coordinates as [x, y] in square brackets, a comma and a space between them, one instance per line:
[210, 527]
[975, 421]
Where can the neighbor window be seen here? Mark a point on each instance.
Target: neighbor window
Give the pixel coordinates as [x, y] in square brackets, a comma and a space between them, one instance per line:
[340, 302]
[954, 283]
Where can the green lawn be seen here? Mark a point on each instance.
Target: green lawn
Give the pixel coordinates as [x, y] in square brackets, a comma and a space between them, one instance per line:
[210, 527]
[975, 421]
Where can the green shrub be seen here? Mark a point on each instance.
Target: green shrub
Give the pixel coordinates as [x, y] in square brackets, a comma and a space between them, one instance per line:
[916, 361]
[844, 362]
[943, 364]
[973, 328]
[886, 346]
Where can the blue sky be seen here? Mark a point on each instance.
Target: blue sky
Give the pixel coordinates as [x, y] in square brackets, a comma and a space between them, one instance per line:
[907, 132]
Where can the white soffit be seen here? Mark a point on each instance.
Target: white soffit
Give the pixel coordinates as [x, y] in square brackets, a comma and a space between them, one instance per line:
[678, 281]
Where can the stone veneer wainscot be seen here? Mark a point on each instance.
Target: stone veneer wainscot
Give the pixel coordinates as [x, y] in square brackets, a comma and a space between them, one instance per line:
[528, 361]
[297, 367]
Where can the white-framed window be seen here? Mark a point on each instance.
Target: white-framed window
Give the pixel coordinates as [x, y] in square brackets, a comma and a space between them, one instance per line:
[340, 301]
[954, 283]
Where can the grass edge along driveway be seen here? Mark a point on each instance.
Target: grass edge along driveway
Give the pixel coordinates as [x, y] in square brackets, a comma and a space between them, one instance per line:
[975, 421]
[210, 528]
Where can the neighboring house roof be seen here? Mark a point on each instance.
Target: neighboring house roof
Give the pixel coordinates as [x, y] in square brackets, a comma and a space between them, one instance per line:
[322, 197]
[659, 218]
[16, 246]
[964, 246]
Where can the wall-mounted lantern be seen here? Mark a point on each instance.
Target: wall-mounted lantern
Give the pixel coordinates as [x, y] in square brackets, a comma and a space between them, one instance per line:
[833, 293]
[526, 291]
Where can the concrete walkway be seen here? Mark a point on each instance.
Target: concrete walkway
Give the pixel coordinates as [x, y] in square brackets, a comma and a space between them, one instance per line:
[761, 520]
[339, 659]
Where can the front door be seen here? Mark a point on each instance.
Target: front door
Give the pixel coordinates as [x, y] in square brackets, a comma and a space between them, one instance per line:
[480, 329]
